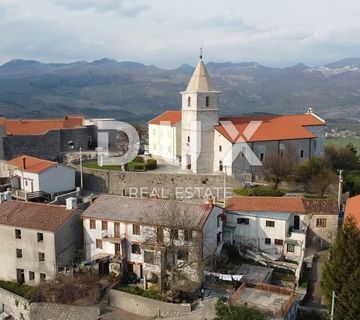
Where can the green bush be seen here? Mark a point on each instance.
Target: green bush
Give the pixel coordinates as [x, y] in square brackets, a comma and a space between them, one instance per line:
[136, 166]
[151, 164]
[139, 159]
[259, 191]
[17, 288]
[149, 293]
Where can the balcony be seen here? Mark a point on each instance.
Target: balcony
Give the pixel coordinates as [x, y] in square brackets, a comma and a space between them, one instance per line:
[113, 237]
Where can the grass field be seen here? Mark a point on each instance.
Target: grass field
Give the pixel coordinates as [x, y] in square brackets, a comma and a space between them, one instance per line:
[342, 142]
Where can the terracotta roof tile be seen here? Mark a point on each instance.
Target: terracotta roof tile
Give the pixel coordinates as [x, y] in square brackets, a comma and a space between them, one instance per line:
[32, 164]
[273, 127]
[41, 126]
[321, 206]
[353, 209]
[265, 204]
[173, 116]
[32, 215]
[146, 211]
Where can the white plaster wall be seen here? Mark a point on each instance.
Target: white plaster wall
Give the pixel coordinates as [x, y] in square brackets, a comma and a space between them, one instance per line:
[210, 231]
[57, 179]
[30, 178]
[30, 249]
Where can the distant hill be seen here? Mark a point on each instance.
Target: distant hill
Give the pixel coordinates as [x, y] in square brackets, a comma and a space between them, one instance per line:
[132, 91]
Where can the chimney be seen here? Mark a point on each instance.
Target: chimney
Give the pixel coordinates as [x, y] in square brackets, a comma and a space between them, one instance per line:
[24, 163]
[71, 203]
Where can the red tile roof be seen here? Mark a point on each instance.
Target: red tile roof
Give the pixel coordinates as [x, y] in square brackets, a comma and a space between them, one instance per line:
[272, 127]
[40, 126]
[32, 164]
[171, 116]
[37, 216]
[283, 204]
[353, 209]
[266, 204]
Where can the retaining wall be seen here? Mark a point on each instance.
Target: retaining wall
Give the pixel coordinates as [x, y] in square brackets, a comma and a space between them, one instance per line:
[147, 307]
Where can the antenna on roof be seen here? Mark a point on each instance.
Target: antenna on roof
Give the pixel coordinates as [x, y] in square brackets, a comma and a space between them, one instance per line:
[201, 53]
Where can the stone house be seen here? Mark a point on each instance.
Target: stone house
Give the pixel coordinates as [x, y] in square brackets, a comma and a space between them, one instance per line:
[145, 236]
[36, 240]
[282, 226]
[203, 142]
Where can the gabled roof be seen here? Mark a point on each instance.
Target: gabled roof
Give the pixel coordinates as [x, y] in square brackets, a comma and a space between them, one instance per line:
[353, 209]
[31, 164]
[18, 127]
[265, 204]
[200, 80]
[270, 127]
[37, 216]
[282, 204]
[189, 214]
[171, 116]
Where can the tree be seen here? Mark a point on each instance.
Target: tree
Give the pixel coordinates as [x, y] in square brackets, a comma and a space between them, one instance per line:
[316, 174]
[345, 158]
[279, 166]
[177, 246]
[344, 259]
[348, 303]
[228, 312]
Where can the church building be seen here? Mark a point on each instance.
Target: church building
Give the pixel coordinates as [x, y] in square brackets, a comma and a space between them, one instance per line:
[201, 141]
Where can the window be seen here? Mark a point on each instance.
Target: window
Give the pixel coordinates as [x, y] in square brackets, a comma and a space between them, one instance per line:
[301, 154]
[219, 218]
[18, 253]
[42, 277]
[188, 235]
[290, 248]
[243, 221]
[174, 234]
[31, 275]
[315, 144]
[279, 242]
[135, 248]
[92, 224]
[220, 148]
[26, 183]
[262, 155]
[17, 234]
[136, 229]
[188, 139]
[207, 101]
[41, 256]
[99, 244]
[104, 225]
[221, 167]
[267, 241]
[189, 102]
[159, 234]
[321, 223]
[40, 237]
[218, 237]
[151, 257]
[182, 255]
[270, 223]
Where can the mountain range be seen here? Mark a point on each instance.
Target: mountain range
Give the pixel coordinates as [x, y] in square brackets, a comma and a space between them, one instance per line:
[131, 91]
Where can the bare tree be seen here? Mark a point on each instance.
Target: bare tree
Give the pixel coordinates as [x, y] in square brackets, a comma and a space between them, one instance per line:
[280, 165]
[176, 241]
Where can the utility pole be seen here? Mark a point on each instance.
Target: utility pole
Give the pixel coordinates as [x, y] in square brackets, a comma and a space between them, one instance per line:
[340, 189]
[224, 187]
[332, 306]
[81, 171]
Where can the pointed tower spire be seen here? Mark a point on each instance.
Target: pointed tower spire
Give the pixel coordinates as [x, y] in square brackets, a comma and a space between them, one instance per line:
[200, 80]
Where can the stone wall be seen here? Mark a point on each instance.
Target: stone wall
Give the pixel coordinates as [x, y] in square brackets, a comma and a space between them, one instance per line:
[321, 237]
[126, 183]
[21, 309]
[147, 307]
[14, 305]
[46, 311]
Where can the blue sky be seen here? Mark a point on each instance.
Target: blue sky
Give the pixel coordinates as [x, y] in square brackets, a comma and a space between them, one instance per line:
[168, 33]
